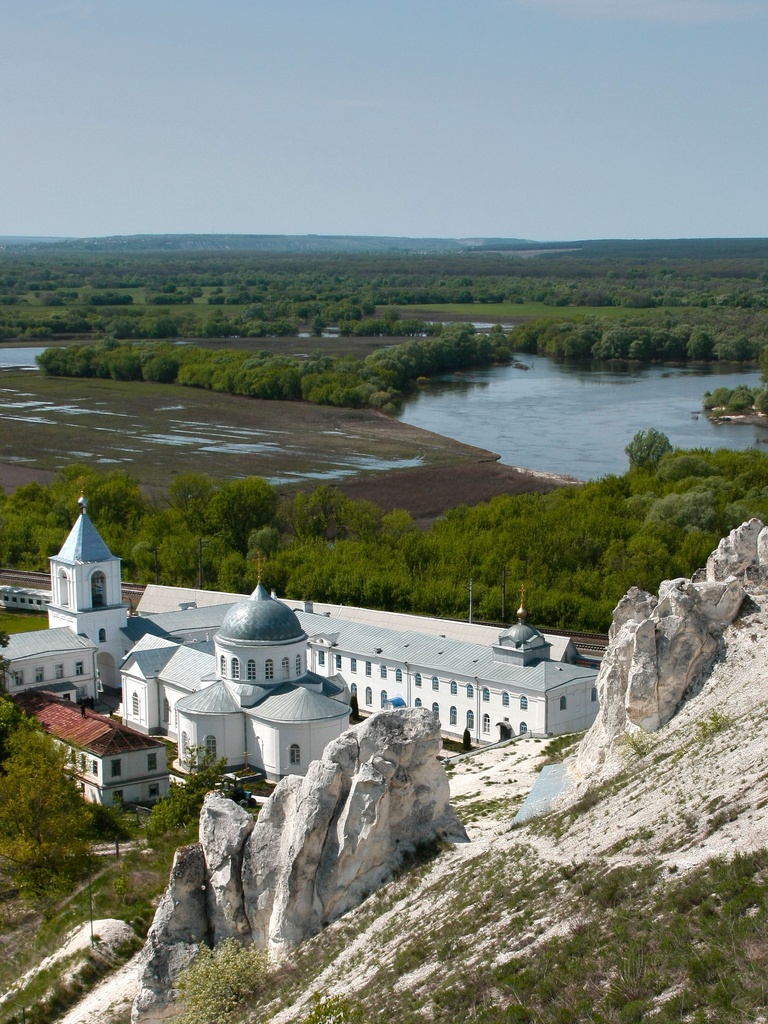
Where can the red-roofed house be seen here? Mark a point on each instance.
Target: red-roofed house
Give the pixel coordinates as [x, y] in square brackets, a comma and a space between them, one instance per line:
[111, 762]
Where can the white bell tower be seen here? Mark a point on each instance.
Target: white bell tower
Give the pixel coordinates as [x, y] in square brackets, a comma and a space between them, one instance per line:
[87, 594]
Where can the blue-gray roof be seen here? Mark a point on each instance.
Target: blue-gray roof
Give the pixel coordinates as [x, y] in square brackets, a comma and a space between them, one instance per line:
[261, 619]
[84, 543]
[293, 703]
[211, 700]
[40, 642]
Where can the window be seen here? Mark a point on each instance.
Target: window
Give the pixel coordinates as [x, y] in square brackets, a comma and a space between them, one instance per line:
[269, 669]
[82, 762]
[251, 669]
[594, 694]
[367, 668]
[398, 675]
[117, 768]
[135, 705]
[368, 696]
[18, 678]
[102, 636]
[223, 666]
[210, 745]
[79, 668]
[39, 674]
[295, 754]
[235, 668]
[98, 583]
[470, 719]
[486, 693]
[486, 723]
[454, 688]
[417, 679]
[563, 704]
[453, 716]
[285, 668]
[523, 703]
[59, 671]
[117, 796]
[298, 664]
[184, 747]
[470, 691]
[154, 791]
[321, 657]
[166, 709]
[523, 728]
[505, 699]
[338, 661]
[95, 768]
[63, 589]
[435, 683]
[383, 698]
[383, 671]
[436, 709]
[353, 689]
[151, 762]
[417, 702]
[353, 664]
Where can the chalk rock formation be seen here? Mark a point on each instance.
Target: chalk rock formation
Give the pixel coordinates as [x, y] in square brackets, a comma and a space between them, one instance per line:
[321, 844]
[660, 647]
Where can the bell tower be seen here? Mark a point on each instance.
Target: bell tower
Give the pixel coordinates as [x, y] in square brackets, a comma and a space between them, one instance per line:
[87, 594]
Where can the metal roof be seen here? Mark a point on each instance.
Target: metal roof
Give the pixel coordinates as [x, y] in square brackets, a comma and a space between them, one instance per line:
[190, 666]
[84, 544]
[294, 703]
[39, 642]
[149, 655]
[211, 700]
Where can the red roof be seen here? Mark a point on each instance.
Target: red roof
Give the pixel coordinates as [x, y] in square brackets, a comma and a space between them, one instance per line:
[92, 732]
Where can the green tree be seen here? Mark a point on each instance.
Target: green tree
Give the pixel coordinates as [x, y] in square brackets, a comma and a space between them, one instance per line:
[240, 507]
[646, 449]
[219, 982]
[182, 805]
[43, 820]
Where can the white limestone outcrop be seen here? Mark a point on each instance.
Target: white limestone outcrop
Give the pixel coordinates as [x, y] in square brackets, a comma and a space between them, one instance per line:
[320, 845]
[660, 647]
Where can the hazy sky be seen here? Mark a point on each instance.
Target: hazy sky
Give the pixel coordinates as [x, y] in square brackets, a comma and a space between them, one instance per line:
[542, 119]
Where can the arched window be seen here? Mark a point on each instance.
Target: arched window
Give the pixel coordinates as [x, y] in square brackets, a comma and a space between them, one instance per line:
[435, 683]
[210, 745]
[368, 696]
[383, 671]
[417, 702]
[235, 668]
[436, 709]
[286, 668]
[383, 698]
[417, 679]
[505, 699]
[98, 585]
[594, 694]
[453, 716]
[523, 703]
[184, 747]
[486, 723]
[223, 666]
[523, 728]
[353, 689]
[470, 719]
[135, 705]
[251, 669]
[295, 754]
[102, 636]
[454, 688]
[470, 691]
[166, 710]
[269, 669]
[563, 703]
[486, 693]
[398, 675]
[298, 664]
[63, 589]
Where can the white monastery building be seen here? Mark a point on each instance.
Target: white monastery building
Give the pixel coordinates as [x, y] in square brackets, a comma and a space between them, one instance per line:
[266, 684]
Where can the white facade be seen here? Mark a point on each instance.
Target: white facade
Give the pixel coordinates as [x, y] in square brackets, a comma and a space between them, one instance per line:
[54, 659]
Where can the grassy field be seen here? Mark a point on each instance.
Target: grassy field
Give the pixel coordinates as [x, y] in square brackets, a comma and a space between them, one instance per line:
[14, 622]
[511, 313]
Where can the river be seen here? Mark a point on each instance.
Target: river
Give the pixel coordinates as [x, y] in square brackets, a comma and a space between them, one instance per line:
[575, 418]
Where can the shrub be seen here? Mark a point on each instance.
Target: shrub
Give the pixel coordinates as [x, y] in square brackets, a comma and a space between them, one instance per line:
[218, 981]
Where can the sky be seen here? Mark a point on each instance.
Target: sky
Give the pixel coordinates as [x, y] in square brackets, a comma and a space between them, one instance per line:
[539, 119]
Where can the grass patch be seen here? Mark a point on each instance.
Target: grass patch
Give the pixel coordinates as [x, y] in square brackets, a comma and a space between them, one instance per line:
[511, 312]
[22, 622]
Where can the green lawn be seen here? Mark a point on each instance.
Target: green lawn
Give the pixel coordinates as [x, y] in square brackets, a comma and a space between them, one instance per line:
[522, 311]
[22, 622]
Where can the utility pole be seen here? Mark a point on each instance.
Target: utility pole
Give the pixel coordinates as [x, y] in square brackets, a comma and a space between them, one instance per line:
[504, 594]
[471, 596]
